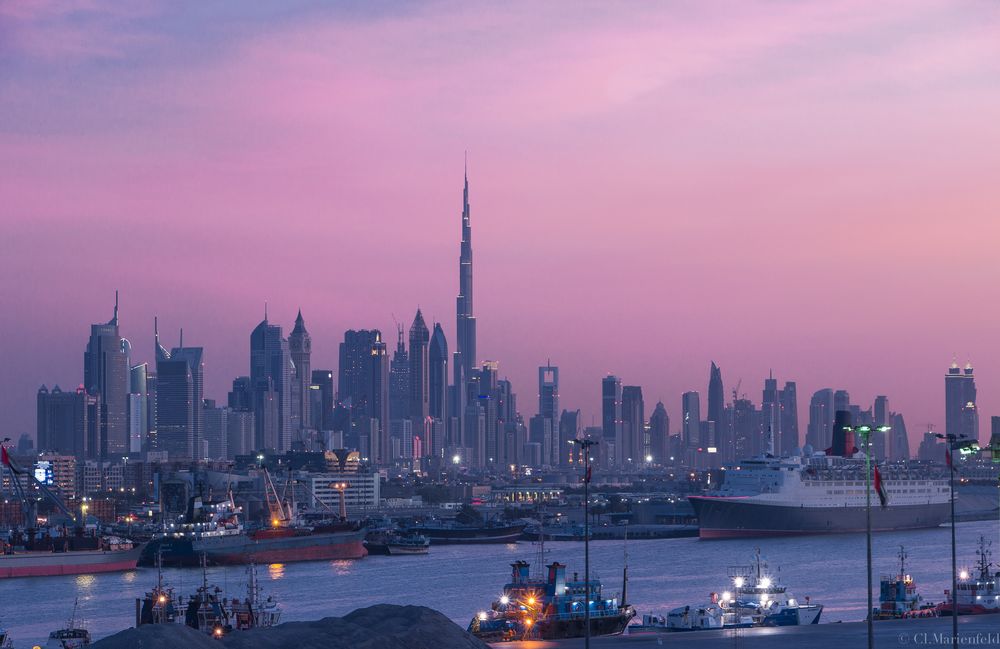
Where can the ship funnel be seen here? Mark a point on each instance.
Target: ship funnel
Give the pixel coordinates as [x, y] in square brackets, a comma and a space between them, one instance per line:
[843, 437]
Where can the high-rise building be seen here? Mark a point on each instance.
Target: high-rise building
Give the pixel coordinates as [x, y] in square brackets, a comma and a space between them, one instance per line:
[419, 371]
[239, 433]
[548, 391]
[363, 389]
[716, 397]
[300, 350]
[881, 414]
[399, 379]
[611, 418]
[68, 422]
[789, 418]
[105, 375]
[819, 434]
[634, 446]
[175, 407]
[770, 412]
[842, 401]
[659, 434]
[138, 408]
[465, 351]
[437, 358]
[271, 371]
[216, 430]
[322, 416]
[899, 443]
[569, 430]
[960, 414]
[194, 357]
[691, 418]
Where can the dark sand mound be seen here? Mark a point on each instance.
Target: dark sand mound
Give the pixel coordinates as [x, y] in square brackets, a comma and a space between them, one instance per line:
[384, 626]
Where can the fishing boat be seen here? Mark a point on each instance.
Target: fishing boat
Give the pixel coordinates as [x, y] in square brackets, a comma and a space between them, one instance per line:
[70, 637]
[976, 595]
[158, 606]
[255, 611]
[400, 544]
[898, 596]
[550, 608]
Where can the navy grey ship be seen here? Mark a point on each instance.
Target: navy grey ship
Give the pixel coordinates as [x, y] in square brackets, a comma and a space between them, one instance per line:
[818, 494]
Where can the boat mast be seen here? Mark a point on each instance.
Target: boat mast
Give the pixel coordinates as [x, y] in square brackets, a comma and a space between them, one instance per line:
[624, 601]
[902, 563]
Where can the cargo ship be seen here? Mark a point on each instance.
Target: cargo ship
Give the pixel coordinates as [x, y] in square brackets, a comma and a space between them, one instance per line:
[69, 549]
[818, 494]
[215, 531]
[550, 609]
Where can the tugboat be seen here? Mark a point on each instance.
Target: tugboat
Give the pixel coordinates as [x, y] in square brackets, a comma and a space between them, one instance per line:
[70, 637]
[254, 612]
[760, 595]
[898, 596]
[157, 607]
[549, 609]
[979, 596]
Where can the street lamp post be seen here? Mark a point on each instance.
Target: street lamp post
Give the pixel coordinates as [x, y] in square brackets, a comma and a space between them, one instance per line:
[866, 434]
[585, 445]
[955, 443]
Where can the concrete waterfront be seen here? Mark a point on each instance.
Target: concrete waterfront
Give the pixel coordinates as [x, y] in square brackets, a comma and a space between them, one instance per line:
[974, 631]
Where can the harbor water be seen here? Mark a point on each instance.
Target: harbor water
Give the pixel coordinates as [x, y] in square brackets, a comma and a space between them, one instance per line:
[460, 580]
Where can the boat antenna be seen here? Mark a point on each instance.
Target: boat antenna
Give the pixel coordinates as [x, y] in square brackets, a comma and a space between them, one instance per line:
[624, 602]
[902, 563]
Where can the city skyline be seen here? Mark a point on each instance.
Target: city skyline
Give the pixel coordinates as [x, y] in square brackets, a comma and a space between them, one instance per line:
[632, 263]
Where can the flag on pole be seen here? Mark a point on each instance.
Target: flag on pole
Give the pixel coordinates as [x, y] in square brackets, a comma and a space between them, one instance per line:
[6, 458]
[883, 495]
[586, 478]
[947, 459]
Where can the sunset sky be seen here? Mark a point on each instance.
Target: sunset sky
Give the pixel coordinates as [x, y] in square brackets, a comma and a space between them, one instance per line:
[808, 187]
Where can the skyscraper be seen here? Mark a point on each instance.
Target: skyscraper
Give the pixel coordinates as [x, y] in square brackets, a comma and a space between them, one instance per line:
[437, 358]
[770, 411]
[569, 430]
[611, 418]
[819, 434]
[271, 370]
[363, 389]
[105, 375]
[634, 447]
[691, 418]
[399, 379]
[323, 416]
[300, 350]
[465, 351]
[419, 372]
[194, 357]
[67, 422]
[960, 415]
[175, 406]
[789, 419]
[881, 415]
[138, 408]
[716, 397]
[899, 443]
[548, 391]
[659, 434]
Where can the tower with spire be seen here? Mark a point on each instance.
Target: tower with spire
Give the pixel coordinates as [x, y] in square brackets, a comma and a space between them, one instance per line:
[300, 347]
[465, 351]
[106, 375]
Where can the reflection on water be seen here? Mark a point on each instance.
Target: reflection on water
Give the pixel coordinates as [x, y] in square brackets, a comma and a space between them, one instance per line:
[460, 580]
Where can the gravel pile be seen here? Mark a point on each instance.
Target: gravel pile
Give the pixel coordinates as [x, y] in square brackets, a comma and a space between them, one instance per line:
[384, 626]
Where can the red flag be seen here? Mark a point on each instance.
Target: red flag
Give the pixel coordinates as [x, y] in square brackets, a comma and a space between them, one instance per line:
[6, 458]
[586, 478]
[947, 459]
[883, 495]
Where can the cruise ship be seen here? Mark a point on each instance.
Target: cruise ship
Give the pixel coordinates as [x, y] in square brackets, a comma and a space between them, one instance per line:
[819, 494]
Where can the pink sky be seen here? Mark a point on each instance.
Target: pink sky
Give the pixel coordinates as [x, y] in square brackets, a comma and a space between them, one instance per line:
[809, 187]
